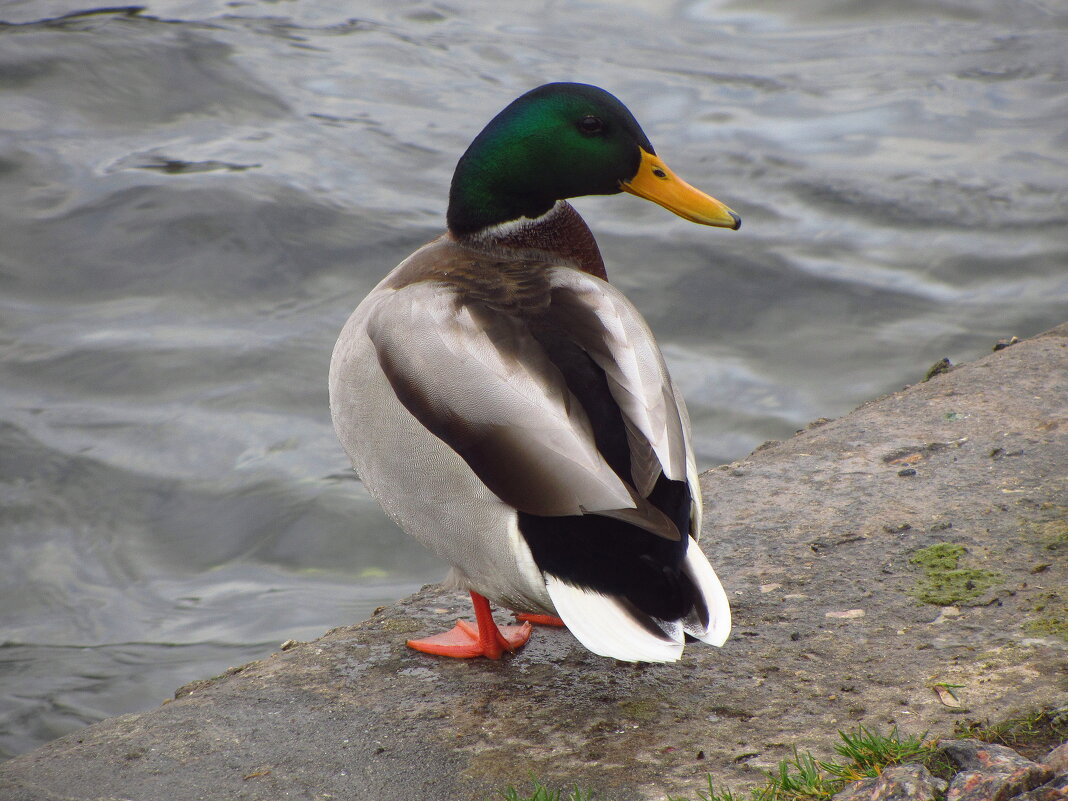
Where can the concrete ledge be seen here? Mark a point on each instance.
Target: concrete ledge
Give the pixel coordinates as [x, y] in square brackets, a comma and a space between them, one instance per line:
[841, 618]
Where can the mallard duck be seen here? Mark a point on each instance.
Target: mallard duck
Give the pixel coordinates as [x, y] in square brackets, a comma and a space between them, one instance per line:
[510, 409]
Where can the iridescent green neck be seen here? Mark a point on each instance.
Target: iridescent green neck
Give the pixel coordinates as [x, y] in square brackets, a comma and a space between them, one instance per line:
[496, 181]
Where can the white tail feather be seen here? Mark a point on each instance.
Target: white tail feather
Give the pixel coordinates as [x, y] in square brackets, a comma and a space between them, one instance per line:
[719, 609]
[604, 626]
[607, 627]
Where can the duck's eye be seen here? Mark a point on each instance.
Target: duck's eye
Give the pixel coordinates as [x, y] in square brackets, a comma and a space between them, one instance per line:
[591, 125]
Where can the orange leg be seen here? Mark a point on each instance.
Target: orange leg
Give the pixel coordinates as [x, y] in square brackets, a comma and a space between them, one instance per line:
[483, 638]
[539, 620]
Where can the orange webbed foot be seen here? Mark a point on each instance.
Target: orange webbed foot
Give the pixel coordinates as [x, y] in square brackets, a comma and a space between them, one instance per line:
[462, 641]
[482, 638]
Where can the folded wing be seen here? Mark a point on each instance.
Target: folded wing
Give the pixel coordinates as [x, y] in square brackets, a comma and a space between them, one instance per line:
[480, 379]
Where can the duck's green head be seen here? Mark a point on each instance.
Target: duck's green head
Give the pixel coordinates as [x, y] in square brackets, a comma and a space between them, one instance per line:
[565, 140]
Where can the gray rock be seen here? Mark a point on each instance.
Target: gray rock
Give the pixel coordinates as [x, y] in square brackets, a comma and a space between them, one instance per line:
[896, 783]
[1052, 790]
[975, 785]
[1055, 790]
[991, 772]
[822, 519]
[1057, 759]
[986, 757]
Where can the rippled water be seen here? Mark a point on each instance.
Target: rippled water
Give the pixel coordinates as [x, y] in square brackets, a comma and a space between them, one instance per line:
[194, 197]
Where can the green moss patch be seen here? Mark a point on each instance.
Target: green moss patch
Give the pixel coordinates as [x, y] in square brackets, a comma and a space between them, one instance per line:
[1051, 616]
[944, 582]
[1048, 626]
[941, 557]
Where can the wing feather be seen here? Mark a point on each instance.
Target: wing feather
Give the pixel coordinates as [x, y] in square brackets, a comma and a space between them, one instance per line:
[487, 389]
[616, 336]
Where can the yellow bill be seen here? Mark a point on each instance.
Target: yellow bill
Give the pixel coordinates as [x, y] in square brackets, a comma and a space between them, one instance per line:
[655, 182]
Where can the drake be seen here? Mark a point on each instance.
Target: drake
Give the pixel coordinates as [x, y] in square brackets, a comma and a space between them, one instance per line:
[510, 409]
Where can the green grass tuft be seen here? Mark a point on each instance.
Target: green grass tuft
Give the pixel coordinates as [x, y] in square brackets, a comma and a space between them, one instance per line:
[869, 753]
[543, 793]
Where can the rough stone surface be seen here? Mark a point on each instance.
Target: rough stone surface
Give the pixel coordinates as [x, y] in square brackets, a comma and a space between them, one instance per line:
[896, 783]
[1055, 790]
[804, 534]
[969, 754]
[974, 785]
[991, 772]
[997, 773]
[1057, 759]
[977, 785]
